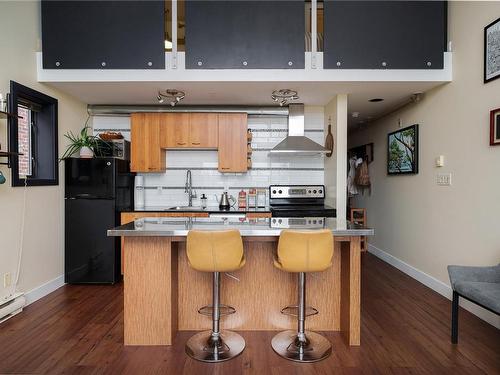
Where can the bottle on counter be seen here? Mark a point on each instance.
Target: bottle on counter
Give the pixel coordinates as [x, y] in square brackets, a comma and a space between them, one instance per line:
[242, 199]
[252, 198]
[203, 201]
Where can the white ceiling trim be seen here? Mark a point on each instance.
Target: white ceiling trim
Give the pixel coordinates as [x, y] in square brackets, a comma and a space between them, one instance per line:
[309, 74]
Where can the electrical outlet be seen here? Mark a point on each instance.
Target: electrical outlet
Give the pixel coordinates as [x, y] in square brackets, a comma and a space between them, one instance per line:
[443, 179]
[7, 280]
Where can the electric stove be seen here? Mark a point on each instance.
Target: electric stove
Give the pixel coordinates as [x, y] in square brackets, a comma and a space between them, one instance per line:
[299, 201]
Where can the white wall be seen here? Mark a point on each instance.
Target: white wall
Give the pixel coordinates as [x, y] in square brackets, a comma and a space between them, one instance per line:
[167, 189]
[429, 226]
[335, 112]
[43, 254]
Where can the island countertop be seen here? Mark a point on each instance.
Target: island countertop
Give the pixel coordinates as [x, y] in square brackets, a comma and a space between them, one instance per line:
[168, 227]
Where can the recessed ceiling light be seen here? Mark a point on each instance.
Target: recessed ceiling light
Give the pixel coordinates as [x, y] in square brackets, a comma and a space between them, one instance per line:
[376, 100]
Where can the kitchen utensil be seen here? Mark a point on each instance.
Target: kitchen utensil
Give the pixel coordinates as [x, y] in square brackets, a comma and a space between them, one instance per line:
[329, 139]
[225, 201]
[109, 135]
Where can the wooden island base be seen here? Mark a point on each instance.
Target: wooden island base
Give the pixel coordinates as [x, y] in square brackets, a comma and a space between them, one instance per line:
[162, 294]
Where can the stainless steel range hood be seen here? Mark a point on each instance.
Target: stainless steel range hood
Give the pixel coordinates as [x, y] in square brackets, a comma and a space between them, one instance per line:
[296, 143]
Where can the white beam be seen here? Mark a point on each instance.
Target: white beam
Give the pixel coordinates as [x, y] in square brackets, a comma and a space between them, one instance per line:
[174, 34]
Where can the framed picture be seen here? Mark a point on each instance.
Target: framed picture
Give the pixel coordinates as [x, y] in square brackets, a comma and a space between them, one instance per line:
[402, 151]
[492, 51]
[495, 127]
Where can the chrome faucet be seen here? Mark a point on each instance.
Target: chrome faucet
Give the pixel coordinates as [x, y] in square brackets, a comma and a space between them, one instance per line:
[189, 188]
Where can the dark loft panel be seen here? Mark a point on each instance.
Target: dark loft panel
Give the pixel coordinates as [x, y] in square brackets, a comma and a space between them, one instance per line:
[245, 34]
[103, 34]
[401, 34]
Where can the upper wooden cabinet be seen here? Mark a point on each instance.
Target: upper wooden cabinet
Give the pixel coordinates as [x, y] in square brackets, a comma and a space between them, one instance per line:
[189, 130]
[146, 152]
[174, 130]
[232, 142]
[152, 133]
[203, 130]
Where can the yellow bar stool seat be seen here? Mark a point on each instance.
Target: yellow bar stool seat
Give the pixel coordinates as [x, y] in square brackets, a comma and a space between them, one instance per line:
[216, 252]
[301, 252]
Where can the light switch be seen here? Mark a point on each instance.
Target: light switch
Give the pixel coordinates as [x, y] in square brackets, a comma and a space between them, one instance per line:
[7, 280]
[440, 161]
[443, 179]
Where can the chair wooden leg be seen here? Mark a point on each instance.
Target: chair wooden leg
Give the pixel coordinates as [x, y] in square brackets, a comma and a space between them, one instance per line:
[454, 318]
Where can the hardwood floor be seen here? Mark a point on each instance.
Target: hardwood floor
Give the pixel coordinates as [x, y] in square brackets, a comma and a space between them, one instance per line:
[405, 329]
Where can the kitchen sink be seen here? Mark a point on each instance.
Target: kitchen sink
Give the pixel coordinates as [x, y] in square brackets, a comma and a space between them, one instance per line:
[184, 208]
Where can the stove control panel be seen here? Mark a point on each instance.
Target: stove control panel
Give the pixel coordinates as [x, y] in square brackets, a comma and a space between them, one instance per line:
[297, 191]
[298, 222]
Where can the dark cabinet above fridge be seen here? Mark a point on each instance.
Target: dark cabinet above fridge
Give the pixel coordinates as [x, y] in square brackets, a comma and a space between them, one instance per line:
[103, 34]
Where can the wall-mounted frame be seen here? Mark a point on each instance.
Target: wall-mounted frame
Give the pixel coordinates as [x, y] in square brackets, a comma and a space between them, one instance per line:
[495, 127]
[402, 151]
[492, 51]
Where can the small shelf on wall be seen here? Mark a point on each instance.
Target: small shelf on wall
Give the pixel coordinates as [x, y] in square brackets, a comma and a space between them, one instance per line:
[5, 115]
[8, 154]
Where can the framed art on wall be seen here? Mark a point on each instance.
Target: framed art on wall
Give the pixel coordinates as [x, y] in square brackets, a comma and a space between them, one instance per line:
[402, 151]
[495, 127]
[492, 51]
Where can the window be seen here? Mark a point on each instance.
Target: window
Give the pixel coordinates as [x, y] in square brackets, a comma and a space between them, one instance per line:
[34, 136]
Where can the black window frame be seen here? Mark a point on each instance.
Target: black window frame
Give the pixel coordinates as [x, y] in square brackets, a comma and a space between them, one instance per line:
[49, 106]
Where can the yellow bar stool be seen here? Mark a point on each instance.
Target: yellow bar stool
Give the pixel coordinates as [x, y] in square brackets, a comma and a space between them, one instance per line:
[216, 252]
[301, 252]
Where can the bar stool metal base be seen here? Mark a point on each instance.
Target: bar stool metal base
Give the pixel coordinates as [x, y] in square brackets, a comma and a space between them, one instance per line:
[208, 348]
[287, 345]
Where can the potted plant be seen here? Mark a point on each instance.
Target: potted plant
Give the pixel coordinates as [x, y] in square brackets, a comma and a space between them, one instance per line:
[84, 143]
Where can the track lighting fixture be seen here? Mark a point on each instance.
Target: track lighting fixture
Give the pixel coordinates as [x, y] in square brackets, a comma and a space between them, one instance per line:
[172, 95]
[284, 96]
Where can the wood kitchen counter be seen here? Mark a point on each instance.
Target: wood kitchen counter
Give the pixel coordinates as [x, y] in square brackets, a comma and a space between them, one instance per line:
[162, 294]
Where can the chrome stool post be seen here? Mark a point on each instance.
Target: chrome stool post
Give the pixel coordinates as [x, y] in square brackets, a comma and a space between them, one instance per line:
[302, 345]
[215, 345]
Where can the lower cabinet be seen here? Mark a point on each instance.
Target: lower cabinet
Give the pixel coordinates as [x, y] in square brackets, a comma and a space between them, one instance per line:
[127, 217]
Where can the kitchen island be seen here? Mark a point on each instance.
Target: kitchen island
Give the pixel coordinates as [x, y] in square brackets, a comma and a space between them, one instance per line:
[162, 294]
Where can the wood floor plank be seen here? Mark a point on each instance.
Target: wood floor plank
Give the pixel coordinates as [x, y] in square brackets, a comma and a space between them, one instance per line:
[404, 330]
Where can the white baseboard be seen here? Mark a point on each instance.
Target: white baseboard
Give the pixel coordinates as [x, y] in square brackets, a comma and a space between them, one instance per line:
[44, 289]
[434, 284]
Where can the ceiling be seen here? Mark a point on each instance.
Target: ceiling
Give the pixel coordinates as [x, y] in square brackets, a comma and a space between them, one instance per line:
[253, 93]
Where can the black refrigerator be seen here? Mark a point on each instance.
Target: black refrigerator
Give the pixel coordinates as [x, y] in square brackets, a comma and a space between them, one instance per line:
[96, 191]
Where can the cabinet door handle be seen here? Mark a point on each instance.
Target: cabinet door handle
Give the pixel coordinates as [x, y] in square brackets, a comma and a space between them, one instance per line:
[196, 143]
[181, 144]
[225, 168]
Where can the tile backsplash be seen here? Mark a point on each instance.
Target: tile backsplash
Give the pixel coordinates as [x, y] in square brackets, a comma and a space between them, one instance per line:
[167, 189]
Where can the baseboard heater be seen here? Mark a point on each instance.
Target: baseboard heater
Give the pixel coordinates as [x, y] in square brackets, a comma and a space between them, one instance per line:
[12, 306]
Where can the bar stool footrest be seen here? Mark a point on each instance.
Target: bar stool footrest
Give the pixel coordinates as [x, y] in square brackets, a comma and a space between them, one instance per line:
[294, 311]
[223, 309]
